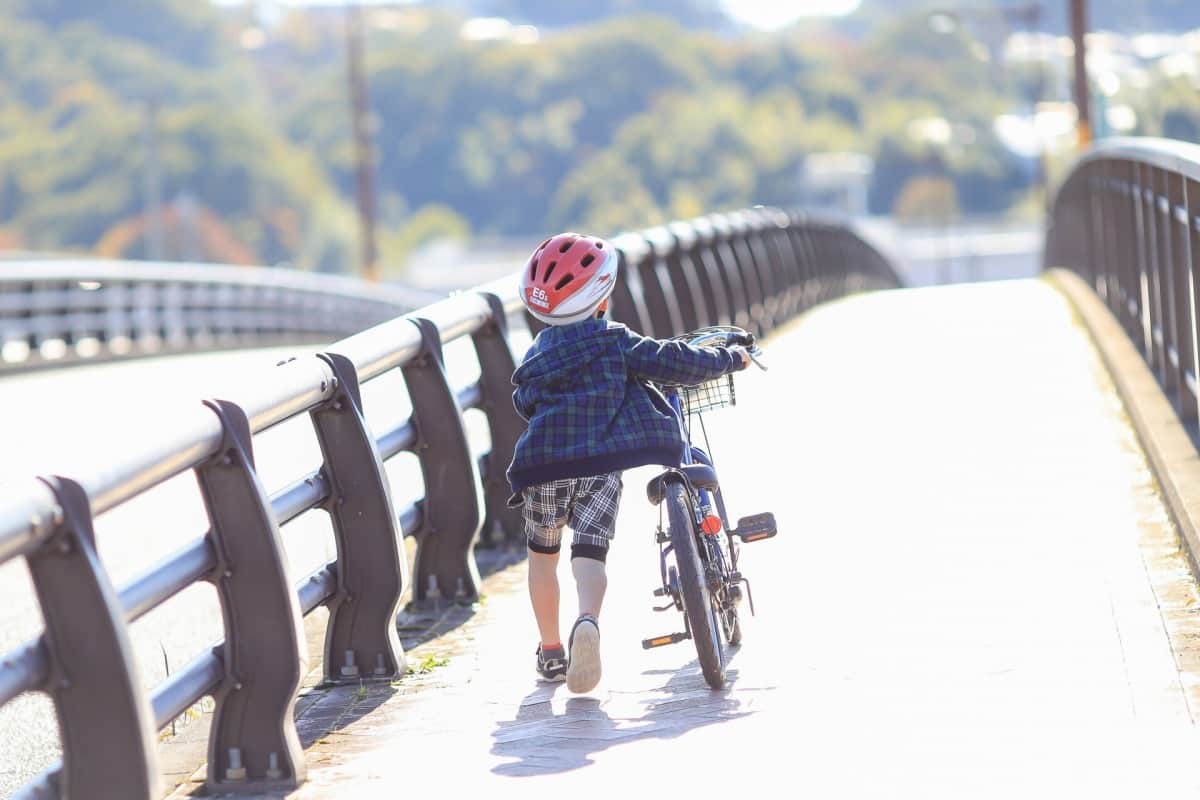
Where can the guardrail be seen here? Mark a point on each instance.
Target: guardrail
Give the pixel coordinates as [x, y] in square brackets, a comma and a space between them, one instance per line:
[1127, 220]
[755, 268]
[61, 311]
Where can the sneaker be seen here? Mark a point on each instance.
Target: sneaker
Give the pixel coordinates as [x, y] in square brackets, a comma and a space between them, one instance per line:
[552, 663]
[583, 668]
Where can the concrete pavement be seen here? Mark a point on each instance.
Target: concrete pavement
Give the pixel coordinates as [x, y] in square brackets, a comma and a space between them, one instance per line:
[976, 592]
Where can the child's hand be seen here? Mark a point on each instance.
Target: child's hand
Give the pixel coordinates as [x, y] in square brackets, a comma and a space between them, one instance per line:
[741, 353]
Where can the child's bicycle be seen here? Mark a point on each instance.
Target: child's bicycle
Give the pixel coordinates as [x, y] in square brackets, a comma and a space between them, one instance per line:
[699, 565]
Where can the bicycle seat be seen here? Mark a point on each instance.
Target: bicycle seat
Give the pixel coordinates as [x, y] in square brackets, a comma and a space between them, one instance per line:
[701, 476]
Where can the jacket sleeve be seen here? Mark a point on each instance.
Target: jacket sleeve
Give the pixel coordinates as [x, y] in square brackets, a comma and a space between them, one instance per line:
[521, 403]
[667, 361]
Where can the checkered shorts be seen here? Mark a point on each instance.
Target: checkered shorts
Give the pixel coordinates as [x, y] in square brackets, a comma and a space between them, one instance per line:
[588, 505]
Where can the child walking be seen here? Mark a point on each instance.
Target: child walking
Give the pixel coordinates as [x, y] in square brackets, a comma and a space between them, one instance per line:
[582, 387]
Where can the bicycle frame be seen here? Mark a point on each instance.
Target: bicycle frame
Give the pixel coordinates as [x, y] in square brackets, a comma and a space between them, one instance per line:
[706, 498]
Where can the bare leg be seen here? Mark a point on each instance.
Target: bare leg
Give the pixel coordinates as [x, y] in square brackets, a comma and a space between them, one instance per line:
[590, 583]
[543, 594]
[583, 671]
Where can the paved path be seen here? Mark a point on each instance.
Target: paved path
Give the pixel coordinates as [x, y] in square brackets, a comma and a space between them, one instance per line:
[975, 594]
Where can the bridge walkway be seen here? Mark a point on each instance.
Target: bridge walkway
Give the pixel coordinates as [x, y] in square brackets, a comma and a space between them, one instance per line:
[976, 592]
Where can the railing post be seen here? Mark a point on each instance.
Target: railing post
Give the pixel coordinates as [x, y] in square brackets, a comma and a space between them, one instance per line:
[445, 561]
[1184, 333]
[372, 568]
[732, 229]
[629, 298]
[1162, 269]
[716, 282]
[755, 225]
[1129, 251]
[684, 277]
[787, 261]
[496, 367]
[662, 295]
[253, 744]
[805, 264]
[739, 294]
[1192, 208]
[104, 719]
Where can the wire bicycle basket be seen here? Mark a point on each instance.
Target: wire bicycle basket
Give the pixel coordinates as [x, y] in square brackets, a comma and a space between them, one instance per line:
[707, 396]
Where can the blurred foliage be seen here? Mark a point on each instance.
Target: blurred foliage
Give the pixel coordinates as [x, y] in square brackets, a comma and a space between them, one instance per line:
[242, 128]
[694, 13]
[1129, 16]
[927, 199]
[433, 223]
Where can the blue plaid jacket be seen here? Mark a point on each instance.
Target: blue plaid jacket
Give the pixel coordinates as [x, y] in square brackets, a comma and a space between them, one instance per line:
[582, 389]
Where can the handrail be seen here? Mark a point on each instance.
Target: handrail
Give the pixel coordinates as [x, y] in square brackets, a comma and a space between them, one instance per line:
[58, 312]
[760, 267]
[1127, 220]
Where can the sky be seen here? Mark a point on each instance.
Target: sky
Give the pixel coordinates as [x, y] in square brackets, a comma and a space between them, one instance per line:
[771, 14]
[766, 14]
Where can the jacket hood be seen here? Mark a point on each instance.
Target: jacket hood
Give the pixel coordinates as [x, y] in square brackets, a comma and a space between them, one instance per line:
[559, 353]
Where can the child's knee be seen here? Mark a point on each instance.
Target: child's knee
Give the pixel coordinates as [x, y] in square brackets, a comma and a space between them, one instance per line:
[592, 551]
[537, 548]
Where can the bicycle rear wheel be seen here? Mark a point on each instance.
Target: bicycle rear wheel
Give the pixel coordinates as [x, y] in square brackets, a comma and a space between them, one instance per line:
[698, 605]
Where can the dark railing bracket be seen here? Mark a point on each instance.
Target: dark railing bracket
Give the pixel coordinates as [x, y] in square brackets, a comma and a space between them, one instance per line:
[106, 724]
[254, 745]
[444, 566]
[496, 365]
[360, 639]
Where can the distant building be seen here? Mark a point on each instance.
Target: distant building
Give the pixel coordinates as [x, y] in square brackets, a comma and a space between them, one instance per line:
[836, 182]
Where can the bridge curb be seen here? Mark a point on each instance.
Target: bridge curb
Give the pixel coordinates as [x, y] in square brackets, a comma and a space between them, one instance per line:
[1169, 448]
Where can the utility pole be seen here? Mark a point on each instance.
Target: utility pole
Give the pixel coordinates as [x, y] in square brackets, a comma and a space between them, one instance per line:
[152, 193]
[360, 109]
[1082, 97]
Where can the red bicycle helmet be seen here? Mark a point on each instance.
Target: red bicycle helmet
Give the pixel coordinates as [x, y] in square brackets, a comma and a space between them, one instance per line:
[568, 277]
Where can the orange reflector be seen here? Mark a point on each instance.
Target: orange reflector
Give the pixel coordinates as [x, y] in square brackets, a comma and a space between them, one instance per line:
[711, 524]
[754, 537]
[661, 640]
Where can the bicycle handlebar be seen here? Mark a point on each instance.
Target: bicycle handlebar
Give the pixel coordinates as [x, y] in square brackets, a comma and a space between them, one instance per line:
[726, 336]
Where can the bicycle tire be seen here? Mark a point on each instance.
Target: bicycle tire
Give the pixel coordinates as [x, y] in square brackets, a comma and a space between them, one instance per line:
[698, 603]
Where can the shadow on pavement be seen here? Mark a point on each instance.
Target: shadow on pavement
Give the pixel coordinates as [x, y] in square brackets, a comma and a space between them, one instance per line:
[338, 707]
[417, 624]
[543, 742]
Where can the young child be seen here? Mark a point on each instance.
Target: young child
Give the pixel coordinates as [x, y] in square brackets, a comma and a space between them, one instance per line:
[582, 389]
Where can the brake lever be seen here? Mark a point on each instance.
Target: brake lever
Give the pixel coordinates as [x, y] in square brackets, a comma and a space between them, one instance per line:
[754, 354]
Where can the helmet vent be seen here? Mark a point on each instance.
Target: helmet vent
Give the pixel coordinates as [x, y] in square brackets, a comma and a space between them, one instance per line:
[564, 281]
[565, 246]
[587, 260]
[549, 269]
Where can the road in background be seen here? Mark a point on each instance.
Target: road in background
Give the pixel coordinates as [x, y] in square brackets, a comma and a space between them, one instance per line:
[960, 251]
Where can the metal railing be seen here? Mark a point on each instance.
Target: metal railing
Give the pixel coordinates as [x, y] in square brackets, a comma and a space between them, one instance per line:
[1127, 220]
[61, 311]
[756, 268]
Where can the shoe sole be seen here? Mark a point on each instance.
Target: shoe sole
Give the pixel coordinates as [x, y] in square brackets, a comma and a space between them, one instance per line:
[583, 670]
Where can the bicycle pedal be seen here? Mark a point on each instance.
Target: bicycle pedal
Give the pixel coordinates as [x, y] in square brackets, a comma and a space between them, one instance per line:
[755, 528]
[660, 641]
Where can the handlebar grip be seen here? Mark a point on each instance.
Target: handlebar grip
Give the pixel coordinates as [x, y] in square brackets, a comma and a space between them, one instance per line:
[744, 339]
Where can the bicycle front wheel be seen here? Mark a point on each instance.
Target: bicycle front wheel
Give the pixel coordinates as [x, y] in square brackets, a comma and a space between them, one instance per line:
[698, 604]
